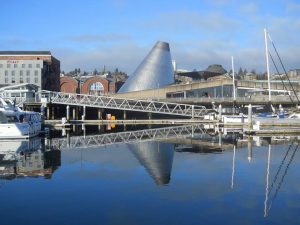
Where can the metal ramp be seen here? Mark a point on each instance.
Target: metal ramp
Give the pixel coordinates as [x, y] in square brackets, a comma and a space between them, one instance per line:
[127, 137]
[125, 104]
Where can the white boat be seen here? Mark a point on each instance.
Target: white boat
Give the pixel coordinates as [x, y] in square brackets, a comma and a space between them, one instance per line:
[18, 124]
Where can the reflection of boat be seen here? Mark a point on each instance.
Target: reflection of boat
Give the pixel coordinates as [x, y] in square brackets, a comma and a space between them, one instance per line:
[27, 158]
[15, 123]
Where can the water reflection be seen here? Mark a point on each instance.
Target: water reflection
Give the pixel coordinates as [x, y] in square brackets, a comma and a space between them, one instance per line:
[156, 157]
[199, 164]
[272, 190]
[27, 158]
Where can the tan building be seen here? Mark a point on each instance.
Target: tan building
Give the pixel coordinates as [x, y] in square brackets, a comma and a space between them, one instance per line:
[32, 67]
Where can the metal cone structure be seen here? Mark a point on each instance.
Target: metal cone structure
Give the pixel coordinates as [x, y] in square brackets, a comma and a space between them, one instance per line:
[155, 71]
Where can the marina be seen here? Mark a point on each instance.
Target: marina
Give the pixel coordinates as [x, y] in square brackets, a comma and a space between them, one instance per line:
[153, 166]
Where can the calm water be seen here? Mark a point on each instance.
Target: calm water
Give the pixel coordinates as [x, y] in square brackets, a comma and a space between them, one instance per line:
[180, 180]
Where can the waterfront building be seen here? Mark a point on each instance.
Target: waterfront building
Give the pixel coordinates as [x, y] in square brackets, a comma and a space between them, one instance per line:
[92, 85]
[155, 71]
[21, 92]
[189, 76]
[32, 67]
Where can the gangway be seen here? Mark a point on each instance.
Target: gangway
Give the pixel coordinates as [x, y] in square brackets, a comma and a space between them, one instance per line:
[108, 102]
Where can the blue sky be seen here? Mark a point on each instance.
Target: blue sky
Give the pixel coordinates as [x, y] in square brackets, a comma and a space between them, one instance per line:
[119, 33]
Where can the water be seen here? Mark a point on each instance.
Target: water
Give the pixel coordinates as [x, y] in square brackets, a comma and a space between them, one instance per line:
[207, 179]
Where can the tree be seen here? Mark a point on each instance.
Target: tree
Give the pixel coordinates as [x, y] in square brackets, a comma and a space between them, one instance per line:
[78, 70]
[95, 72]
[240, 73]
[253, 71]
[245, 72]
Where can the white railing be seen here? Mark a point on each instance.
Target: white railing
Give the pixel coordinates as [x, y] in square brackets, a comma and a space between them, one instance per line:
[125, 104]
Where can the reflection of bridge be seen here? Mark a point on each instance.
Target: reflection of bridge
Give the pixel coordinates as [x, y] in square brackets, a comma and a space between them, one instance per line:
[126, 137]
[116, 103]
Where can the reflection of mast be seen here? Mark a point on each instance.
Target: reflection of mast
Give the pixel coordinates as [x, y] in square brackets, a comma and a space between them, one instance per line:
[267, 180]
[282, 178]
[156, 157]
[233, 167]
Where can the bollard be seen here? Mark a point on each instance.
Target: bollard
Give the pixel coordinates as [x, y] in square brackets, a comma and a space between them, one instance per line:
[68, 112]
[250, 125]
[220, 112]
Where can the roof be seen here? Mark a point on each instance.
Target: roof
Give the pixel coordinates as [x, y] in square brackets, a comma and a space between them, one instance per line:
[25, 53]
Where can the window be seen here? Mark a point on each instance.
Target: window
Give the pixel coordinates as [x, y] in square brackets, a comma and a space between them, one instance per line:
[27, 79]
[6, 80]
[21, 72]
[8, 65]
[29, 65]
[13, 80]
[15, 65]
[37, 65]
[23, 65]
[13, 73]
[27, 72]
[36, 73]
[21, 80]
[6, 73]
[36, 80]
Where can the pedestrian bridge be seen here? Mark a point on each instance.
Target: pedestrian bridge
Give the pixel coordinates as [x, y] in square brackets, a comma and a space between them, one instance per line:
[117, 103]
[89, 141]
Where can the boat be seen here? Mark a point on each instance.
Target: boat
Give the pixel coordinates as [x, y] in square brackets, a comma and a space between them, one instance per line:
[16, 123]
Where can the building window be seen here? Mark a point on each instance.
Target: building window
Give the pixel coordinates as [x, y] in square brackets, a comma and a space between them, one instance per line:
[27, 79]
[13, 73]
[27, 72]
[37, 65]
[8, 65]
[96, 88]
[29, 65]
[6, 80]
[36, 72]
[36, 80]
[21, 72]
[13, 80]
[23, 65]
[21, 80]
[6, 73]
[15, 65]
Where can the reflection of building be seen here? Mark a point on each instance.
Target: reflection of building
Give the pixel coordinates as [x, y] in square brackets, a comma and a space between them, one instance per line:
[33, 67]
[156, 157]
[156, 70]
[27, 159]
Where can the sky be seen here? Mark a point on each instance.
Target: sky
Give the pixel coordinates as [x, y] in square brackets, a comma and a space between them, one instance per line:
[92, 34]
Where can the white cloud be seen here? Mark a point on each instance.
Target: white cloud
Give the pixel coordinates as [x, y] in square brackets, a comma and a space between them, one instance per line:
[106, 37]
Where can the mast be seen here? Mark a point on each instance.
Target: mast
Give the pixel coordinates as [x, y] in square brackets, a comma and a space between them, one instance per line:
[268, 67]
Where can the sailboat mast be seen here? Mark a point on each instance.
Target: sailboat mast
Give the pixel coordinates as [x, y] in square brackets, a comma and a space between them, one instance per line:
[268, 67]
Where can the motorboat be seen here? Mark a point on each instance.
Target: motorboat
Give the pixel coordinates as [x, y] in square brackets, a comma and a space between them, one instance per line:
[16, 123]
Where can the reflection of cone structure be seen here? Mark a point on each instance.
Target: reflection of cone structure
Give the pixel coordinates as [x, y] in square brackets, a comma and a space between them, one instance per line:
[155, 71]
[157, 158]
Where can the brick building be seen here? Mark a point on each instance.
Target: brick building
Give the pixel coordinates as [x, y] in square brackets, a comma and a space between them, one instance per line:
[92, 85]
[32, 67]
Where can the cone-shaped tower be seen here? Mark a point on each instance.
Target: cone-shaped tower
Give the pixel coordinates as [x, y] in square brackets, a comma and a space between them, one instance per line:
[155, 71]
